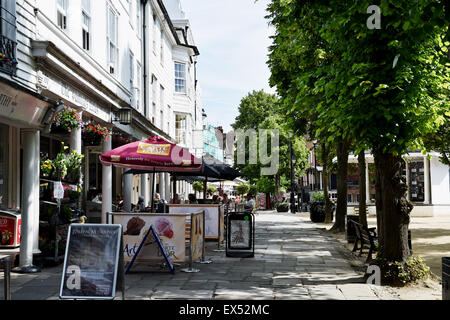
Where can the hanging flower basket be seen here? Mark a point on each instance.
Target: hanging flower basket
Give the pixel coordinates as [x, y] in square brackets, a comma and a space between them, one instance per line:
[66, 166]
[94, 134]
[119, 141]
[66, 120]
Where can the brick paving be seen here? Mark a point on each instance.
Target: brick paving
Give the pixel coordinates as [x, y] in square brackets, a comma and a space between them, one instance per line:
[293, 260]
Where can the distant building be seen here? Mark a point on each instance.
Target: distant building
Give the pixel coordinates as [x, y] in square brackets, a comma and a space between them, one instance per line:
[211, 143]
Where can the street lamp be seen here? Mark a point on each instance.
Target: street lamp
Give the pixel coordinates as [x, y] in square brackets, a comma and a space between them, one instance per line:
[293, 160]
[315, 165]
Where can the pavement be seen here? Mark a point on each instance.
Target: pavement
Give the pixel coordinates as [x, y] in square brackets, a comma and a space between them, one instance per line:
[294, 260]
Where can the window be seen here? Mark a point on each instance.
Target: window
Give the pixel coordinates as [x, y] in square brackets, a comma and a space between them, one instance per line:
[180, 129]
[131, 70]
[161, 52]
[162, 106]
[138, 18]
[154, 86]
[155, 30]
[61, 14]
[138, 85]
[180, 77]
[113, 51]
[161, 97]
[8, 19]
[86, 24]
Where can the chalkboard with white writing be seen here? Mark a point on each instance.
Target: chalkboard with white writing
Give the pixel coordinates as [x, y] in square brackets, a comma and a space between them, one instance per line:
[91, 262]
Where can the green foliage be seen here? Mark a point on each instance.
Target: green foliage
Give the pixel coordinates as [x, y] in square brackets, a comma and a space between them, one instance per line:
[440, 141]
[398, 273]
[318, 196]
[253, 190]
[261, 111]
[197, 186]
[254, 108]
[211, 189]
[242, 188]
[331, 69]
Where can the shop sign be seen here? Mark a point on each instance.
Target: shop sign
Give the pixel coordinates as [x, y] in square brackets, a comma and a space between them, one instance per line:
[20, 106]
[72, 95]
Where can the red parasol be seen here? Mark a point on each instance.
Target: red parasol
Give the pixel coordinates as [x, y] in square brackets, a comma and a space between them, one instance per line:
[154, 154]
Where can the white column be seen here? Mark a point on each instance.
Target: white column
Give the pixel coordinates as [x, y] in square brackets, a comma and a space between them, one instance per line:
[144, 188]
[426, 180]
[321, 180]
[30, 197]
[106, 183]
[167, 186]
[367, 183]
[127, 186]
[162, 188]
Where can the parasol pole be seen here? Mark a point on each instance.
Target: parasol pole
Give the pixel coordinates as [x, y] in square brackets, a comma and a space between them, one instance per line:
[153, 190]
[205, 184]
[174, 186]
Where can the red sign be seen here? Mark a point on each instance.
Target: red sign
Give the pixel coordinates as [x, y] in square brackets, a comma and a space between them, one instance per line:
[9, 235]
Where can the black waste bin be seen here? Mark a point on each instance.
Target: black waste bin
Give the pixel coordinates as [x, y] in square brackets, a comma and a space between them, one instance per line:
[240, 235]
[446, 278]
[350, 228]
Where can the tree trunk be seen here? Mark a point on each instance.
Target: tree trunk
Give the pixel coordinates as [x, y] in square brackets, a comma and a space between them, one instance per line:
[342, 166]
[362, 188]
[393, 208]
[325, 152]
[277, 185]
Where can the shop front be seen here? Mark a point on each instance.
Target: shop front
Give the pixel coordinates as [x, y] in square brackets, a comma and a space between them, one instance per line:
[23, 116]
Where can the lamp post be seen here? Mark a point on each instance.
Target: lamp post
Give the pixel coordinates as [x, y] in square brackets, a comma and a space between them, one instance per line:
[315, 165]
[292, 201]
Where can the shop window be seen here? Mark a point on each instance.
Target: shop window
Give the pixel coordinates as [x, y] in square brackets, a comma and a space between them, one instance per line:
[417, 181]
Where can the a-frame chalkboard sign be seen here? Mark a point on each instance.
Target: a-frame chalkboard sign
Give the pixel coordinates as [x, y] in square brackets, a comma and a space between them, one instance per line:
[148, 241]
[93, 263]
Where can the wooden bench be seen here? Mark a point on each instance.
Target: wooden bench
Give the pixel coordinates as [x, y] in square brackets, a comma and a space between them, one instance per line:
[368, 236]
[365, 236]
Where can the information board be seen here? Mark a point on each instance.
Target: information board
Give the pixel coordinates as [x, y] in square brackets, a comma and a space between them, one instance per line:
[91, 262]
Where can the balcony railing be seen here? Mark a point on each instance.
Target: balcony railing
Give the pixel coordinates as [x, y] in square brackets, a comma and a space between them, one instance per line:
[8, 59]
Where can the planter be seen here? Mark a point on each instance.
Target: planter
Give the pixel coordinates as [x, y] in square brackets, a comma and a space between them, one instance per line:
[283, 208]
[59, 130]
[317, 211]
[92, 142]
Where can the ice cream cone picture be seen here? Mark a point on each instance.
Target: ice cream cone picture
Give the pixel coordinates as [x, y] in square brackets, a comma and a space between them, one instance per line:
[164, 228]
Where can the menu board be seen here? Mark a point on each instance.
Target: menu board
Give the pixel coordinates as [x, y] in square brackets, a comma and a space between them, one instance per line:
[197, 232]
[240, 234]
[213, 217]
[91, 262]
[261, 201]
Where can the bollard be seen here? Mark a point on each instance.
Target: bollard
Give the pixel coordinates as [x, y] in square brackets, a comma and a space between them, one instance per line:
[7, 282]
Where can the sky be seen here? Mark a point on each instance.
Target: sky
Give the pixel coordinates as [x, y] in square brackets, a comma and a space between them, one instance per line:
[233, 39]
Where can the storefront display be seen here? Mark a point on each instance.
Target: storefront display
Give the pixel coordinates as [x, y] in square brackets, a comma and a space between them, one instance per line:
[416, 181]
